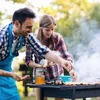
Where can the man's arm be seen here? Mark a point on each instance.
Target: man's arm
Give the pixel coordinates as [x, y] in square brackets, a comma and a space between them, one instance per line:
[53, 57]
[13, 75]
[5, 73]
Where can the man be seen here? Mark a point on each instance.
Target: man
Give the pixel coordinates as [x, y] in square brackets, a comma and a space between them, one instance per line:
[12, 37]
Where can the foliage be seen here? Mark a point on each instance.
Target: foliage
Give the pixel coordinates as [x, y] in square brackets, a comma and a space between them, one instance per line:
[68, 13]
[20, 88]
[95, 12]
[19, 1]
[35, 27]
[1, 14]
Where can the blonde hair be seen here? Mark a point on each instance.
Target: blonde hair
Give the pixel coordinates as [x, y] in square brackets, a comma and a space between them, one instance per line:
[44, 22]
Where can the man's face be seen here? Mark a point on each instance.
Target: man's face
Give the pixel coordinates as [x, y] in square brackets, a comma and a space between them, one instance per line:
[26, 27]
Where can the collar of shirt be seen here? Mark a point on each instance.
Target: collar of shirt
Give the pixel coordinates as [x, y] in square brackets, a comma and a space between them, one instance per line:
[14, 37]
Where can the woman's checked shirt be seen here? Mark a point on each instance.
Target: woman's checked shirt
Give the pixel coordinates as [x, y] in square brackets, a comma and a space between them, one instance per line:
[59, 46]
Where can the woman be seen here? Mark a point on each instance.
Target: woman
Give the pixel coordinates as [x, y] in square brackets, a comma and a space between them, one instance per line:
[55, 42]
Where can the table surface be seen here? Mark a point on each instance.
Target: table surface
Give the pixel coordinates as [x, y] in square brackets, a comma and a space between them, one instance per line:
[65, 91]
[63, 86]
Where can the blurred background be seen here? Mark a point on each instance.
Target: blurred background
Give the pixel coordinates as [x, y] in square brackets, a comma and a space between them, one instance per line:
[79, 23]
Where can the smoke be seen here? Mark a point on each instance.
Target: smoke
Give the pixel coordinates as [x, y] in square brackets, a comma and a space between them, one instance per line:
[85, 44]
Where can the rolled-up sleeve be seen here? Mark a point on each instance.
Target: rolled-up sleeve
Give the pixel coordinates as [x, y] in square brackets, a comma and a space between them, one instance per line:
[33, 46]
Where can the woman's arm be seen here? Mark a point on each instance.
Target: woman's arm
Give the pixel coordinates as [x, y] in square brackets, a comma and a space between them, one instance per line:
[61, 47]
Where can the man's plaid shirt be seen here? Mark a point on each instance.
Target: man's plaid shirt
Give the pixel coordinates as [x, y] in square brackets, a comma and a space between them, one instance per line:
[30, 40]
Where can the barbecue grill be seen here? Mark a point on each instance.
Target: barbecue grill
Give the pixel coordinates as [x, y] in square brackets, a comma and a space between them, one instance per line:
[68, 91]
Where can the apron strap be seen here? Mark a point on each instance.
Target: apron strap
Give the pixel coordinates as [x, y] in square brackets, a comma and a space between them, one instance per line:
[21, 40]
[10, 38]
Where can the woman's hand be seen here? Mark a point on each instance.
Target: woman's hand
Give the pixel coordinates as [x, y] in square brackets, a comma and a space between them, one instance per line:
[68, 66]
[71, 71]
[73, 75]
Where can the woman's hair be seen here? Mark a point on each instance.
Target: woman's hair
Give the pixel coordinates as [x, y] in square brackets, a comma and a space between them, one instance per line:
[44, 22]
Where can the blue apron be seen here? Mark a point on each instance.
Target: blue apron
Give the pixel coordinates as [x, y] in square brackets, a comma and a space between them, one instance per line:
[8, 89]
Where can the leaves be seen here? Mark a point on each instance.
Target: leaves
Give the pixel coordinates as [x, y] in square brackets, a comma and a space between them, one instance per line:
[67, 13]
[19, 1]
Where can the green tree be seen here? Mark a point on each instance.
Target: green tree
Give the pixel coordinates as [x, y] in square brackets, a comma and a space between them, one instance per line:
[95, 12]
[1, 14]
[68, 13]
[18, 1]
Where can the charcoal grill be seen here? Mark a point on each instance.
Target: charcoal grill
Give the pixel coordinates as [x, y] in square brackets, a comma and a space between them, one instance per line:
[66, 91]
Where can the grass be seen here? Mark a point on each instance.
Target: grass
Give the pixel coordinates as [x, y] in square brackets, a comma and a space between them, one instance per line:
[33, 98]
[28, 98]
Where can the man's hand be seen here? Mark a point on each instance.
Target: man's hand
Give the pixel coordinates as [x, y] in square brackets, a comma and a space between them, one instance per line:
[73, 75]
[25, 77]
[18, 77]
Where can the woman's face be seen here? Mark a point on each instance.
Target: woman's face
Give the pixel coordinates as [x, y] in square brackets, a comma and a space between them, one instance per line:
[47, 32]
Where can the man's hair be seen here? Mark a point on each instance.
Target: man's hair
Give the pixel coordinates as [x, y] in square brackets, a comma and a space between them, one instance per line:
[22, 14]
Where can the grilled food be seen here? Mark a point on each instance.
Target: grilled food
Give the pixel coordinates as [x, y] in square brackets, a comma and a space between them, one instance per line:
[81, 83]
